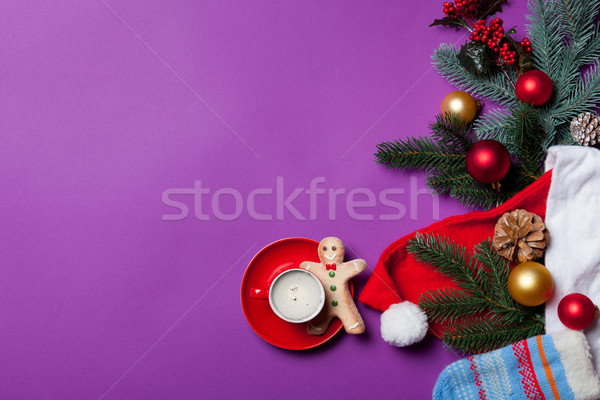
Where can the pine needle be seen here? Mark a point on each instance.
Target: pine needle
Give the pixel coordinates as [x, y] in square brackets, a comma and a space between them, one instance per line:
[565, 36]
[481, 314]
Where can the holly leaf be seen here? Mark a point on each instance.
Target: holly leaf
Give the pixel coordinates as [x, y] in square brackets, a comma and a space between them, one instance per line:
[454, 22]
[474, 57]
[489, 7]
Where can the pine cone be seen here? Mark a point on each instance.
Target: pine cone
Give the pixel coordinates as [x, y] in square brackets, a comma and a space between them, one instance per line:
[585, 129]
[520, 236]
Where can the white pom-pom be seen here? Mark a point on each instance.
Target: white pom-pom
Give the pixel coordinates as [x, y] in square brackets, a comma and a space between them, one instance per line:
[403, 324]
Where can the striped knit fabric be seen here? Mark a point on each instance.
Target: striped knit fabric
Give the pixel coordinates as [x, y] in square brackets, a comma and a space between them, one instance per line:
[542, 367]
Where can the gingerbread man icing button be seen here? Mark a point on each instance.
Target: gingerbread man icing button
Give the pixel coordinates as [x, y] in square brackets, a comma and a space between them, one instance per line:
[334, 274]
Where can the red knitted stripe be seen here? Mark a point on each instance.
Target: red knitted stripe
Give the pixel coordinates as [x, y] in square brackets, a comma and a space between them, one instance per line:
[531, 387]
[478, 382]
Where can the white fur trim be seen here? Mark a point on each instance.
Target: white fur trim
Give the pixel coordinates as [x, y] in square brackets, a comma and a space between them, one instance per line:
[403, 324]
[572, 217]
[575, 355]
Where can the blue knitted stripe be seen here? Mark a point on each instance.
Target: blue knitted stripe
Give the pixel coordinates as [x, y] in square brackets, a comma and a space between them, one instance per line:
[463, 379]
[513, 380]
[558, 371]
[494, 375]
[538, 367]
[501, 376]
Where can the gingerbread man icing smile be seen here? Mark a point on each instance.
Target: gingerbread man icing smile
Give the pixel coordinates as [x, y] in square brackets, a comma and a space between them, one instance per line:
[334, 274]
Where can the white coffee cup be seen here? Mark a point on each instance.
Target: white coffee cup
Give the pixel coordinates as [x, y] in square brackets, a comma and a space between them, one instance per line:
[295, 295]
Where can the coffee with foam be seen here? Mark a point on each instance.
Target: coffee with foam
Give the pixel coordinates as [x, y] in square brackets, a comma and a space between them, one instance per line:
[296, 296]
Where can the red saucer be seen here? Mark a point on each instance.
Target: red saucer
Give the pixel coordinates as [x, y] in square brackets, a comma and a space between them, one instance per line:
[275, 258]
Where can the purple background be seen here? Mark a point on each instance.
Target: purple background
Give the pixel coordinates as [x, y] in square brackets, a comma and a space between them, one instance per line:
[106, 104]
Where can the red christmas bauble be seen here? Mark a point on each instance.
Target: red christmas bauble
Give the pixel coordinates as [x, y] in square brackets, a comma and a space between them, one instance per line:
[576, 311]
[488, 161]
[534, 87]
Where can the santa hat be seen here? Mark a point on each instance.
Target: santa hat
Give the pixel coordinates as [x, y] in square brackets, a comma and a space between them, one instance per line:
[398, 279]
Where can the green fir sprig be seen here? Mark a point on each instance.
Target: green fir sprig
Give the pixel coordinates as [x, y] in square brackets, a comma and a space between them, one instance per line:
[442, 156]
[480, 313]
[565, 37]
[444, 150]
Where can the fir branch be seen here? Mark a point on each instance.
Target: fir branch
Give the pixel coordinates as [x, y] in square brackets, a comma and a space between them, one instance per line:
[452, 131]
[444, 181]
[520, 131]
[448, 305]
[577, 16]
[591, 52]
[584, 96]
[581, 97]
[525, 142]
[495, 124]
[421, 153]
[516, 179]
[498, 267]
[461, 186]
[546, 34]
[495, 87]
[565, 36]
[444, 150]
[481, 313]
[580, 48]
[443, 156]
[450, 259]
[480, 196]
[482, 335]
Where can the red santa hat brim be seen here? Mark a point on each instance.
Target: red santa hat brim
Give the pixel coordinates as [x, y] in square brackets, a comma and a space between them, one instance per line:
[399, 277]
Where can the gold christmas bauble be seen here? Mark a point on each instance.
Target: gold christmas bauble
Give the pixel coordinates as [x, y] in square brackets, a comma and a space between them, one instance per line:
[460, 103]
[530, 284]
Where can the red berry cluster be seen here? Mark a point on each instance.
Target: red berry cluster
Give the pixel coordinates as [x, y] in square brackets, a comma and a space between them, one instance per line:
[526, 46]
[466, 8]
[508, 54]
[489, 35]
[450, 10]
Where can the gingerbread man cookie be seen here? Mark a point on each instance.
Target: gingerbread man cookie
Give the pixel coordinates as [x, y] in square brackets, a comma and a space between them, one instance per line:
[334, 274]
